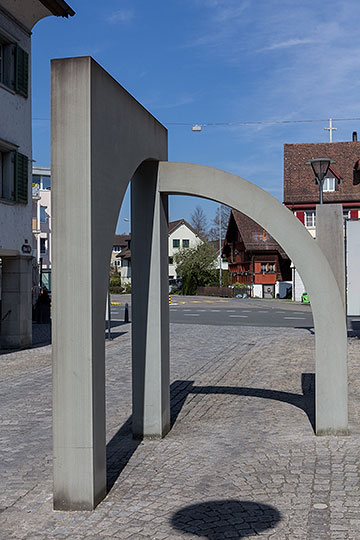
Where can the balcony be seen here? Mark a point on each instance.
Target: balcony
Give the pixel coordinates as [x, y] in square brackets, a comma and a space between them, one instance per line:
[35, 226]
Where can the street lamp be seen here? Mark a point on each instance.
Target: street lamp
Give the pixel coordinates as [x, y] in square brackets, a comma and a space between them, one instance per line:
[320, 167]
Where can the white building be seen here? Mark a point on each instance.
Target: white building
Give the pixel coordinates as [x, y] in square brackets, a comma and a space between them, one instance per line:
[181, 236]
[41, 221]
[17, 19]
[121, 257]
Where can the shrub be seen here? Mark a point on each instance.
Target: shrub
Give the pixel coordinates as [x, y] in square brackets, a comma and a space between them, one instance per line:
[116, 290]
[127, 288]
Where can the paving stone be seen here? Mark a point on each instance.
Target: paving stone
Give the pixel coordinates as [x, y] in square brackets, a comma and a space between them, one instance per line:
[241, 459]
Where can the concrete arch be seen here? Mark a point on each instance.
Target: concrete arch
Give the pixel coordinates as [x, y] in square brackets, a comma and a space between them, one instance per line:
[326, 300]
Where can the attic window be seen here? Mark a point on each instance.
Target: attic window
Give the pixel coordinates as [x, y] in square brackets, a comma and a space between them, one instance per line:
[356, 173]
[329, 184]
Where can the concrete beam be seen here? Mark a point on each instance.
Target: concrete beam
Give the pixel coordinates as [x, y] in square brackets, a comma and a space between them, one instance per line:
[330, 239]
[150, 305]
[100, 136]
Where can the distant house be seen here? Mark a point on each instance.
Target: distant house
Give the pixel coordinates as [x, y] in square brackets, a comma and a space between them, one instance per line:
[341, 185]
[121, 256]
[255, 258]
[41, 222]
[181, 236]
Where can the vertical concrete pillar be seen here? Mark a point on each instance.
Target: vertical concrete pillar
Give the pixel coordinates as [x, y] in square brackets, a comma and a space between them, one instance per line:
[150, 306]
[78, 297]
[16, 309]
[331, 394]
[330, 238]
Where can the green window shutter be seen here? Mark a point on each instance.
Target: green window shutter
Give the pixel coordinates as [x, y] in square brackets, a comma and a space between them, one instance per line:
[21, 71]
[21, 178]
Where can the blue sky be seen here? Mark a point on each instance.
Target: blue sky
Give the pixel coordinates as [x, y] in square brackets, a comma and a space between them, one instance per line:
[208, 61]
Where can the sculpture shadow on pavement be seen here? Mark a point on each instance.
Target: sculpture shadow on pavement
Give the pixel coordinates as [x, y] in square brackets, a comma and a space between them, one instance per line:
[225, 518]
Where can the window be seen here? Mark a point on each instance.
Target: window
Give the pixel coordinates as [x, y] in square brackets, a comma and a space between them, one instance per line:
[45, 182]
[42, 246]
[116, 249]
[176, 243]
[14, 67]
[7, 176]
[310, 219]
[171, 260]
[329, 184]
[346, 214]
[43, 216]
[13, 173]
[263, 267]
[271, 267]
[185, 243]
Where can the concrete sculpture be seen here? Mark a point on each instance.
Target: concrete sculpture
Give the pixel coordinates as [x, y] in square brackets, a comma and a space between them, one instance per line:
[101, 139]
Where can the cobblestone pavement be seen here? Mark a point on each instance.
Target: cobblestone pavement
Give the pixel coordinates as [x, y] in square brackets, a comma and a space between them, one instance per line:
[240, 461]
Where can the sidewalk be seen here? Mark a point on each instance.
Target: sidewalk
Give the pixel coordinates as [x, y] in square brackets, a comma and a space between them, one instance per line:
[240, 461]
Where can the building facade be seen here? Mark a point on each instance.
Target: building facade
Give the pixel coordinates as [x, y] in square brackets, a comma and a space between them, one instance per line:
[181, 236]
[255, 258]
[41, 222]
[17, 20]
[121, 257]
[341, 185]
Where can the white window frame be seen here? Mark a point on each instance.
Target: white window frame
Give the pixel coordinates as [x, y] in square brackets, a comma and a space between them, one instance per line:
[310, 219]
[329, 184]
[263, 264]
[188, 243]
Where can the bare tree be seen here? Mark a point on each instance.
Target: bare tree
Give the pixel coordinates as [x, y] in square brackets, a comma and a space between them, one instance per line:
[199, 222]
[222, 213]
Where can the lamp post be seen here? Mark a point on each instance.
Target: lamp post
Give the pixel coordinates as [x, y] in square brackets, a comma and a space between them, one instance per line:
[320, 167]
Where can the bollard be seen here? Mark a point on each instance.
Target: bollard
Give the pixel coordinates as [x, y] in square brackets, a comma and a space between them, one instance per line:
[126, 318]
[169, 298]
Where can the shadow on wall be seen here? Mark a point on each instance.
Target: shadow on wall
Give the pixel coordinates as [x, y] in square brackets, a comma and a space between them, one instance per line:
[226, 518]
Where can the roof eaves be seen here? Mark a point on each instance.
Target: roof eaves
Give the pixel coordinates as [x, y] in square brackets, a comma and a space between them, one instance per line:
[58, 8]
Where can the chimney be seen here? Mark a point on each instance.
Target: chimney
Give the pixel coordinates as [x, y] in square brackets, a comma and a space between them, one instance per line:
[354, 136]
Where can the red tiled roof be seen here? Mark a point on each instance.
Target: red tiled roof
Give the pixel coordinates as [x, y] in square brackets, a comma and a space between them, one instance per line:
[254, 236]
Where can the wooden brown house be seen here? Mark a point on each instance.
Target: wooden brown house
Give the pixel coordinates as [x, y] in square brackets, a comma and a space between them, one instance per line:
[254, 257]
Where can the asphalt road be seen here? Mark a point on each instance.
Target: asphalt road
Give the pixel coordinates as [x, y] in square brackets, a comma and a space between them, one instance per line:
[229, 312]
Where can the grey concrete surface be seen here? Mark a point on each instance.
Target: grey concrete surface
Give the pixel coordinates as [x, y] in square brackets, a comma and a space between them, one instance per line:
[330, 238]
[16, 302]
[241, 459]
[150, 305]
[312, 264]
[100, 135]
